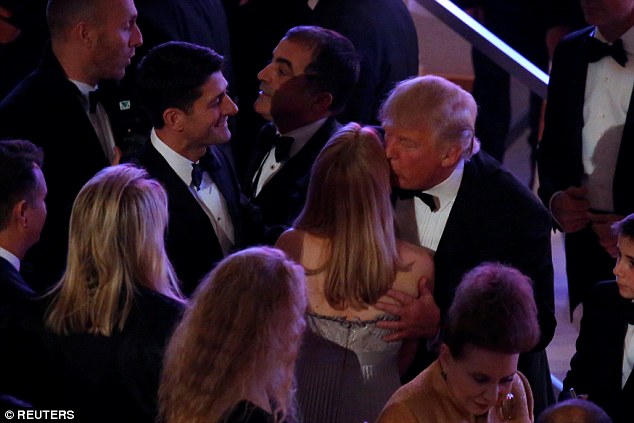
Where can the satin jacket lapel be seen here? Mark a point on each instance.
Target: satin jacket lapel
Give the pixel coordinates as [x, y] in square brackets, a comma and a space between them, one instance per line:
[230, 191]
[261, 148]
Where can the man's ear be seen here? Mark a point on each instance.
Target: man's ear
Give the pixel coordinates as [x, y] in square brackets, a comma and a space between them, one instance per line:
[322, 102]
[174, 119]
[20, 214]
[84, 33]
[452, 155]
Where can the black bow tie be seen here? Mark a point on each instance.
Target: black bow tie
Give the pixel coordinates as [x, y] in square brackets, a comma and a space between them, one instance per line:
[282, 147]
[596, 49]
[93, 100]
[428, 199]
[208, 163]
[270, 137]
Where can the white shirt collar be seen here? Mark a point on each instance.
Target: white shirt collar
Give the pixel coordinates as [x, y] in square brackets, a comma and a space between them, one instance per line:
[447, 191]
[11, 258]
[83, 87]
[302, 135]
[627, 37]
[181, 165]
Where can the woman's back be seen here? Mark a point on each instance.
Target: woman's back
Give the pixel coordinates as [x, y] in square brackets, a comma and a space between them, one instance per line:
[346, 371]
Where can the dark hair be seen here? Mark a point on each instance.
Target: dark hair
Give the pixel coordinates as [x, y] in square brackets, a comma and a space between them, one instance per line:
[172, 74]
[17, 179]
[493, 309]
[62, 14]
[625, 227]
[574, 410]
[335, 65]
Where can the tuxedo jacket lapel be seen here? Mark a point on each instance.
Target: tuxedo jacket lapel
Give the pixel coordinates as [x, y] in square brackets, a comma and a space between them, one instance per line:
[223, 178]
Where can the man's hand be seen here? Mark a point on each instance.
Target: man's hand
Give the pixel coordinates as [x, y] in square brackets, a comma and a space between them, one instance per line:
[602, 226]
[570, 209]
[8, 31]
[419, 317]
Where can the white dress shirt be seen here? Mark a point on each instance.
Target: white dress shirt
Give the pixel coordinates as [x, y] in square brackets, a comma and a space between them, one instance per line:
[607, 100]
[99, 120]
[431, 225]
[628, 354]
[208, 196]
[11, 258]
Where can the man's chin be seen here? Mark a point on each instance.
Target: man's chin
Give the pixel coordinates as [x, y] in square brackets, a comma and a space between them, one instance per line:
[263, 110]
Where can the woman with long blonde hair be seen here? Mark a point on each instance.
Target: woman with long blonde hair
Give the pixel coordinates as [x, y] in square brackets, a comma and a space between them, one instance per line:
[109, 317]
[345, 240]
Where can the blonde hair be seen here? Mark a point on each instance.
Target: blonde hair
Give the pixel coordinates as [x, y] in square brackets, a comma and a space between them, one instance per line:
[116, 242]
[349, 204]
[438, 104]
[244, 324]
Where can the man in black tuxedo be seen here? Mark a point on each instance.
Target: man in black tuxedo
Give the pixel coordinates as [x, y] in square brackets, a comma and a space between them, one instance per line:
[22, 215]
[586, 153]
[52, 108]
[182, 87]
[480, 212]
[306, 84]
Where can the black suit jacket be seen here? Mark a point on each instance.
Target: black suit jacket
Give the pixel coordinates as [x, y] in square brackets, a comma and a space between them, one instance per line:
[595, 369]
[282, 198]
[384, 34]
[104, 378]
[15, 297]
[560, 161]
[46, 109]
[192, 244]
[13, 288]
[496, 218]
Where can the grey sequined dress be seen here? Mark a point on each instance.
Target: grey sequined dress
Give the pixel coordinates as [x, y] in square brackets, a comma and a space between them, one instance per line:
[345, 371]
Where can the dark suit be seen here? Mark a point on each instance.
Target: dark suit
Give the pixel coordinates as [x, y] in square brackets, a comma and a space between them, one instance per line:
[282, 198]
[46, 108]
[15, 295]
[560, 162]
[384, 34]
[192, 244]
[496, 218]
[13, 288]
[596, 367]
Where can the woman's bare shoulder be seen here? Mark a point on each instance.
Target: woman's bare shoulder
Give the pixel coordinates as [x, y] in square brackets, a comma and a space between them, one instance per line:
[291, 242]
[419, 263]
[421, 258]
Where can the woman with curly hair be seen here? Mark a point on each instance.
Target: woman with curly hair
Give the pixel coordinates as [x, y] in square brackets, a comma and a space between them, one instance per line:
[231, 358]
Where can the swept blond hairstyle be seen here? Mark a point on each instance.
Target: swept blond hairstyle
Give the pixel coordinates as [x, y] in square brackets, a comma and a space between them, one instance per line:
[116, 242]
[243, 326]
[349, 204]
[438, 104]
